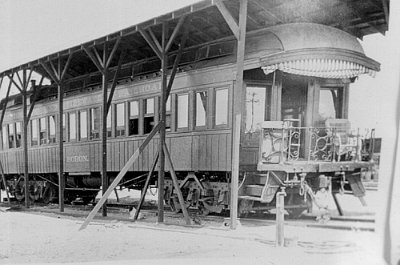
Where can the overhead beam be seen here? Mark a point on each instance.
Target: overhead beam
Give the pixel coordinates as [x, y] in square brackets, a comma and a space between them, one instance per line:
[355, 8]
[35, 95]
[114, 49]
[233, 25]
[155, 40]
[385, 4]
[175, 33]
[151, 43]
[177, 61]
[115, 80]
[261, 6]
[94, 59]
[6, 101]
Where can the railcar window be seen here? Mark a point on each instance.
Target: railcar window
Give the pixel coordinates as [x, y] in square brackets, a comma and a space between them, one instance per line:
[52, 129]
[148, 115]
[34, 132]
[183, 111]
[256, 107]
[72, 126]
[294, 97]
[83, 133]
[94, 123]
[201, 108]
[11, 136]
[221, 106]
[4, 135]
[168, 114]
[330, 104]
[109, 128]
[134, 118]
[42, 131]
[18, 134]
[120, 117]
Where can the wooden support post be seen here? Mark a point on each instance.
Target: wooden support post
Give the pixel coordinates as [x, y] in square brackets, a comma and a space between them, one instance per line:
[61, 178]
[104, 177]
[25, 144]
[120, 175]
[161, 161]
[280, 217]
[145, 187]
[176, 186]
[238, 101]
[57, 75]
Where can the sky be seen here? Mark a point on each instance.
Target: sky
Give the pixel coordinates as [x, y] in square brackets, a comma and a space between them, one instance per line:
[32, 29]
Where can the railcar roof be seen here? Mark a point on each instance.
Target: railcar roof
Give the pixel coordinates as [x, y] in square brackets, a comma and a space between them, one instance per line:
[206, 24]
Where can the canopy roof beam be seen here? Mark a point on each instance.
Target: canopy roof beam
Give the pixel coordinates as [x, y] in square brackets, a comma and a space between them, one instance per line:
[229, 19]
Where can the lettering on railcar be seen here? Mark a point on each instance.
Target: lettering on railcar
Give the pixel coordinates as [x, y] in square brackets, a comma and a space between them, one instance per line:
[77, 159]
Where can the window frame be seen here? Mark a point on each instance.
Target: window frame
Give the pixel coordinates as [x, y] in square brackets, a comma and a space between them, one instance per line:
[75, 126]
[34, 141]
[121, 128]
[149, 115]
[11, 144]
[228, 108]
[91, 129]
[177, 95]
[134, 117]
[207, 110]
[18, 142]
[50, 136]
[80, 125]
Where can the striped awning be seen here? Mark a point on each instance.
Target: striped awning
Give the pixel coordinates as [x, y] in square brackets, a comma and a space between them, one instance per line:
[324, 68]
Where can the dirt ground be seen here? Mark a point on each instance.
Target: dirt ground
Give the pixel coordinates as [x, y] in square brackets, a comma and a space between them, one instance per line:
[52, 238]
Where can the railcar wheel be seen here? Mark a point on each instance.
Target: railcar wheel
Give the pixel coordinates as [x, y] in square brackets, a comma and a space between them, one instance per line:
[34, 192]
[175, 205]
[49, 194]
[203, 210]
[20, 190]
[295, 213]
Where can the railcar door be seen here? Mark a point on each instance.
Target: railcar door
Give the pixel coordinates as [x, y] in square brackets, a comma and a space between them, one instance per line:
[257, 109]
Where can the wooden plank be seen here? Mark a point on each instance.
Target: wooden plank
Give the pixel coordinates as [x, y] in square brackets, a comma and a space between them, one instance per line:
[195, 153]
[120, 175]
[209, 152]
[222, 143]
[228, 18]
[203, 152]
[175, 33]
[149, 41]
[215, 152]
[238, 102]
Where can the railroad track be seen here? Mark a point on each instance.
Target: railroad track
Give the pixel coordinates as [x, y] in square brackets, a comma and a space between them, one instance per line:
[120, 211]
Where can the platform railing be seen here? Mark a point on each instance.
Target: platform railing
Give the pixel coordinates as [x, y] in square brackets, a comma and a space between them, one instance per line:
[282, 142]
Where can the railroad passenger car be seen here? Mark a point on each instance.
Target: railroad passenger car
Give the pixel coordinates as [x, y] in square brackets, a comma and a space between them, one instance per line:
[294, 133]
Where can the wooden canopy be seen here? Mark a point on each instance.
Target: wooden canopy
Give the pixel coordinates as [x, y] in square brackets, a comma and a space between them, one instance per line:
[206, 23]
